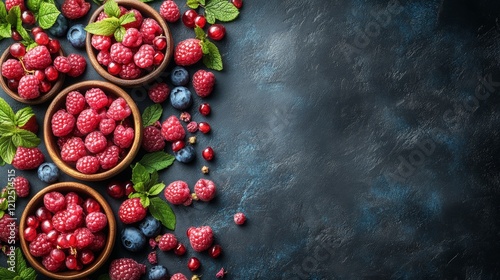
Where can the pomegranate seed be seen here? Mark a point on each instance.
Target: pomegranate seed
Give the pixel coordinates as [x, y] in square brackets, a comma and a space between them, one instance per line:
[43, 213]
[200, 21]
[237, 3]
[13, 84]
[129, 188]
[30, 234]
[216, 32]
[46, 226]
[45, 86]
[16, 36]
[193, 264]
[71, 262]
[71, 240]
[208, 153]
[215, 251]
[114, 68]
[158, 58]
[116, 189]
[180, 249]
[57, 255]
[17, 50]
[31, 221]
[188, 18]
[160, 43]
[41, 38]
[51, 73]
[86, 256]
[28, 18]
[62, 242]
[178, 145]
[91, 205]
[205, 109]
[54, 46]
[204, 127]
[36, 30]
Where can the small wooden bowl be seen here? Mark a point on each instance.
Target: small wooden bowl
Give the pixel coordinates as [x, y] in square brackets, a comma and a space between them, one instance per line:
[43, 97]
[84, 191]
[146, 11]
[51, 140]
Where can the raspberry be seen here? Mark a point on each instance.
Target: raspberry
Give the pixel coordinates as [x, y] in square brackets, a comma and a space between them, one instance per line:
[172, 130]
[101, 42]
[152, 140]
[121, 54]
[126, 269]
[96, 221]
[27, 158]
[188, 52]
[87, 121]
[132, 38]
[101, 16]
[118, 110]
[40, 246]
[62, 123]
[123, 136]
[239, 218]
[5, 228]
[95, 142]
[178, 276]
[137, 22]
[130, 71]
[109, 157]
[75, 102]
[50, 264]
[192, 127]
[28, 87]
[31, 125]
[84, 237]
[107, 126]
[177, 192]
[74, 9]
[159, 92]
[99, 242]
[144, 56]
[78, 65]
[73, 198]
[73, 150]
[21, 186]
[12, 69]
[152, 258]
[167, 242]
[203, 82]
[204, 189]
[131, 211]
[11, 3]
[37, 58]
[170, 11]
[96, 98]
[104, 58]
[61, 64]
[54, 201]
[201, 238]
[87, 165]
[149, 29]
[69, 219]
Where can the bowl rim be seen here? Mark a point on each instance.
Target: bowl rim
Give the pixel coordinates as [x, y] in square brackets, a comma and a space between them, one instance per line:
[51, 144]
[143, 8]
[110, 241]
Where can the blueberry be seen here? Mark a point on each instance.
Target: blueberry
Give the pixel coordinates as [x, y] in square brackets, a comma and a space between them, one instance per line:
[179, 76]
[185, 154]
[133, 239]
[180, 98]
[150, 226]
[60, 27]
[76, 35]
[157, 272]
[48, 172]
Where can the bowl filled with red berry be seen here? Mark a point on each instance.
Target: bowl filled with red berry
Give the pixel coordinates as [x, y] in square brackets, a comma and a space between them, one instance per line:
[92, 130]
[128, 43]
[68, 231]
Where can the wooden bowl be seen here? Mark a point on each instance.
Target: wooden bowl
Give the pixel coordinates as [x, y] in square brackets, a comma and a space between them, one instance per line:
[146, 11]
[84, 191]
[51, 140]
[43, 97]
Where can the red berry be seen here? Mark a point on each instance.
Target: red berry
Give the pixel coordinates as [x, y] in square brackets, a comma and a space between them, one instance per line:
[116, 189]
[16, 36]
[27, 158]
[170, 11]
[114, 68]
[180, 249]
[51, 73]
[152, 139]
[208, 153]
[52, 236]
[160, 43]
[27, 17]
[13, 84]
[45, 86]
[177, 192]
[193, 264]
[46, 226]
[41, 38]
[96, 221]
[57, 255]
[188, 18]
[129, 188]
[178, 145]
[167, 242]
[237, 3]
[54, 201]
[203, 82]
[216, 32]
[43, 213]
[126, 268]
[205, 109]
[17, 50]
[36, 30]
[91, 205]
[204, 190]
[32, 221]
[201, 238]
[54, 46]
[74, 9]
[40, 245]
[21, 186]
[78, 65]
[204, 127]
[30, 234]
[159, 92]
[239, 218]
[131, 211]
[200, 21]
[172, 130]
[39, 74]
[71, 262]
[86, 256]
[158, 58]
[215, 251]
[188, 52]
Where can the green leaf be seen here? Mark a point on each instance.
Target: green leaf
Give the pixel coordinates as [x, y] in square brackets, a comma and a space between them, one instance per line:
[2, 212]
[111, 9]
[202, 2]
[146, 1]
[119, 33]
[33, 5]
[151, 114]
[23, 116]
[6, 113]
[139, 187]
[127, 18]
[139, 174]
[200, 34]
[193, 4]
[104, 27]
[3, 12]
[29, 46]
[156, 161]
[6, 274]
[7, 129]
[20, 261]
[7, 149]
[135, 195]
[47, 15]
[14, 15]
[4, 205]
[25, 138]
[212, 59]
[222, 10]
[28, 274]
[210, 17]
[145, 201]
[156, 189]
[5, 30]
[153, 180]
[162, 212]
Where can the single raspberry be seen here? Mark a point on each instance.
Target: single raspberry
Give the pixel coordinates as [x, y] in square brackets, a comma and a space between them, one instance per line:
[132, 38]
[54, 201]
[152, 258]
[27, 158]
[9, 4]
[120, 54]
[130, 71]
[239, 218]
[84, 237]
[159, 92]
[73, 150]
[102, 15]
[87, 121]
[137, 22]
[69, 219]
[29, 87]
[188, 52]
[149, 30]
[75, 102]
[172, 130]
[152, 140]
[201, 238]
[131, 211]
[37, 58]
[178, 276]
[95, 142]
[119, 109]
[167, 242]
[74, 9]
[101, 42]
[123, 136]
[31, 125]
[96, 98]
[96, 221]
[144, 56]
[61, 63]
[203, 82]
[78, 65]
[107, 126]
[62, 123]
[21, 186]
[126, 269]
[170, 11]
[12, 69]
[40, 246]
[192, 127]
[88, 164]
[104, 58]
[109, 157]
[177, 192]
[73, 198]
[99, 242]
[50, 264]
[204, 189]
[6, 223]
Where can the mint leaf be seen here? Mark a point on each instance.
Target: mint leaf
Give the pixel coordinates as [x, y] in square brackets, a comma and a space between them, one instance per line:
[5, 30]
[151, 114]
[23, 116]
[119, 33]
[14, 18]
[25, 138]
[33, 5]
[145, 201]
[193, 4]
[111, 9]
[20, 262]
[202, 2]
[28, 274]
[146, 1]
[104, 27]
[7, 129]
[139, 174]
[47, 15]
[200, 34]
[156, 161]
[221, 10]
[136, 194]
[3, 12]
[6, 274]
[162, 212]
[14, 15]
[127, 18]
[156, 189]
[210, 16]
[212, 59]
[2, 212]
[6, 113]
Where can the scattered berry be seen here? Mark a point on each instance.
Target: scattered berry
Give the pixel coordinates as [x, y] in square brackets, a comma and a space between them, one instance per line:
[62, 64]
[178, 145]
[21, 186]
[116, 189]
[188, 52]
[215, 251]
[208, 153]
[185, 155]
[204, 127]
[239, 218]
[158, 272]
[76, 35]
[159, 92]
[180, 98]
[177, 192]
[205, 189]
[131, 211]
[178, 276]
[60, 27]
[179, 76]
[185, 117]
[133, 239]
[150, 226]
[74, 9]
[170, 11]
[201, 238]
[129, 188]
[205, 109]
[48, 172]
[192, 127]
[126, 269]
[152, 258]
[172, 130]
[167, 242]
[188, 18]
[193, 263]
[200, 21]
[203, 82]
[180, 249]
[237, 3]
[221, 273]
[152, 139]
[27, 158]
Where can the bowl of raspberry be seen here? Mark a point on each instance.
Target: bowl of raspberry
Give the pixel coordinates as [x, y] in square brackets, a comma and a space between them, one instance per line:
[68, 231]
[92, 130]
[136, 51]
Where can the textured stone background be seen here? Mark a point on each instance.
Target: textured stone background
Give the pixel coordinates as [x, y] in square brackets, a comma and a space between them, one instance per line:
[359, 137]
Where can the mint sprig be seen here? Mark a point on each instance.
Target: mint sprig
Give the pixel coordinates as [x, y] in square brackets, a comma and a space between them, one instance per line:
[113, 24]
[220, 10]
[211, 55]
[151, 114]
[22, 270]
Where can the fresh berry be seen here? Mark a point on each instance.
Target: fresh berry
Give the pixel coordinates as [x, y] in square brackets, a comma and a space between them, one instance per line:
[73, 198]
[13, 84]
[37, 58]
[239, 218]
[29, 87]
[28, 18]
[185, 155]
[137, 22]
[149, 30]
[16, 36]
[188, 18]
[87, 121]
[62, 123]
[96, 98]
[101, 42]
[192, 127]
[126, 269]
[204, 189]
[52, 265]
[188, 52]
[60, 27]
[62, 64]
[204, 127]
[201, 238]
[73, 149]
[170, 11]
[167, 242]
[99, 242]
[237, 3]
[96, 221]
[159, 43]
[43, 213]
[74, 9]
[172, 130]
[29, 233]
[132, 38]
[51, 74]
[109, 157]
[152, 139]
[177, 192]
[180, 249]
[54, 201]
[179, 76]
[27, 158]
[200, 21]
[130, 71]
[32, 221]
[144, 56]
[77, 63]
[208, 153]
[178, 145]
[46, 226]
[115, 189]
[12, 69]
[41, 38]
[76, 35]
[48, 172]
[159, 92]
[158, 272]
[17, 50]
[6, 228]
[40, 246]
[54, 46]
[181, 98]
[178, 276]
[84, 237]
[21, 186]
[9, 4]
[150, 226]
[185, 117]
[91, 205]
[203, 82]
[71, 262]
[88, 164]
[107, 126]
[104, 58]
[133, 239]
[158, 58]
[123, 137]
[86, 256]
[193, 263]
[95, 142]
[215, 251]
[129, 188]
[131, 211]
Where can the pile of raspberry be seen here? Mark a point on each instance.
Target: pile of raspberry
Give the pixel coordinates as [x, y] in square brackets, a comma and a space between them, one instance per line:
[94, 130]
[140, 52]
[67, 233]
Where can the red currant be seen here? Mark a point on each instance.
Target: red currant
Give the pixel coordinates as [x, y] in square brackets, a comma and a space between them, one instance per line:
[204, 127]
[39, 74]
[91, 205]
[28, 18]
[16, 36]
[71, 262]
[52, 236]
[160, 43]
[188, 18]
[62, 242]
[216, 32]
[31, 221]
[158, 58]
[86, 256]
[237, 3]
[36, 30]
[116, 189]
[129, 188]
[13, 84]
[208, 153]
[41, 38]
[178, 145]
[193, 263]
[30, 234]
[205, 109]
[43, 213]
[200, 21]
[46, 226]
[215, 251]
[57, 255]
[54, 46]
[51, 73]
[114, 68]
[45, 86]
[180, 249]
[17, 50]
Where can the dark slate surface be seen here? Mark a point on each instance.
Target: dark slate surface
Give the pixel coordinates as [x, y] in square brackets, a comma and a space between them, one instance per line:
[359, 137]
